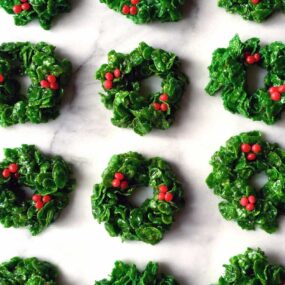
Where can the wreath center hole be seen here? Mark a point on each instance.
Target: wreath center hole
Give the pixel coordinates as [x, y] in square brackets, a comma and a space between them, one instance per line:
[255, 78]
[150, 85]
[140, 195]
[258, 180]
[28, 192]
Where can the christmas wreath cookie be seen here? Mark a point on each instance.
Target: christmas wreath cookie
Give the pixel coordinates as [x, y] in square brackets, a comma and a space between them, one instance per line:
[252, 268]
[124, 274]
[144, 11]
[48, 75]
[121, 79]
[253, 10]
[25, 11]
[28, 271]
[48, 178]
[228, 74]
[124, 174]
[234, 165]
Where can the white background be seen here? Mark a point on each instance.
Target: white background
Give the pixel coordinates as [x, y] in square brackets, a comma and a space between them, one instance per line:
[200, 241]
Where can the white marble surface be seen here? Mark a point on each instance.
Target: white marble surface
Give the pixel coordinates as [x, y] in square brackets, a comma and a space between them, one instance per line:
[201, 241]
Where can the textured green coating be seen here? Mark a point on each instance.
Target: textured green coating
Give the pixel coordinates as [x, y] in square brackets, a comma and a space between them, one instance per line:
[253, 12]
[252, 268]
[228, 75]
[126, 274]
[153, 218]
[29, 271]
[44, 175]
[35, 61]
[150, 11]
[43, 10]
[230, 179]
[131, 109]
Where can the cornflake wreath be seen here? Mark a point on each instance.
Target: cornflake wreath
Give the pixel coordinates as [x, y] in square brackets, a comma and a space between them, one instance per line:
[252, 267]
[45, 11]
[121, 79]
[48, 75]
[234, 165]
[253, 10]
[124, 174]
[50, 180]
[228, 73]
[143, 11]
[28, 271]
[124, 273]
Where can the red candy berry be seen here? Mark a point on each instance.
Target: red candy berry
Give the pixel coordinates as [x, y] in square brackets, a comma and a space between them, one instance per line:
[37, 198]
[16, 175]
[120, 176]
[6, 173]
[163, 97]
[124, 185]
[257, 57]
[108, 84]
[162, 188]
[13, 167]
[46, 198]
[44, 84]
[51, 78]
[251, 157]
[117, 72]
[126, 10]
[252, 199]
[273, 89]
[135, 2]
[17, 9]
[275, 96]
[133, 10]
[54, 86]
[168, 197]
[245, 147]
[255, 1]
[156, 106]
[249, 207]
[2, 78]
[109, 76]
[39, 205]
[116, 183]
[250, 59]
[163, 107]
[26, 6]
[23, 1]
[281, 88]
[161, 196]
[256, 148]
[244, 201]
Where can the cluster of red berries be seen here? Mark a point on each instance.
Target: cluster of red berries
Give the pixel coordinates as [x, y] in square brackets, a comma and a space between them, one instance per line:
[119, 181]
[254, 2]
[19, 8]
[248, 202]
[12, 169]
[109, 76]
[276, 91]
[252, 58]
[132, 10]
[251, 150]
[162, 107]
[40, 200]
[50, 82]
[164, 195]
[2, 79]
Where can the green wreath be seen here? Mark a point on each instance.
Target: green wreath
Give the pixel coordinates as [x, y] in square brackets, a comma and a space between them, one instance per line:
[228, 73]
[234, 165]
[124, 174]
[252, 268]
[253, 10]
[49, 179]
[28, 271]
[45, 11]
[144, 11]
[124, 274]
[48, 75]
[121, 79]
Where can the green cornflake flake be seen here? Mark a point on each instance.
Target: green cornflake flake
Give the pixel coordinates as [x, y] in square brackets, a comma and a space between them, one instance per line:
[228, 74]
[130, 108]
[43, 10]
[45, 176]
[29, 271]
[36, 61]
[150, 221]
[231, 175]
[125, 274]
[252, 268]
